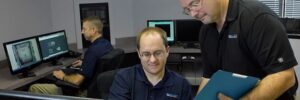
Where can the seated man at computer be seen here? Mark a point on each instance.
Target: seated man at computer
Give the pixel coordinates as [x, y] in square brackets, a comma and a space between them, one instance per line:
[150, 79]
[92, 31]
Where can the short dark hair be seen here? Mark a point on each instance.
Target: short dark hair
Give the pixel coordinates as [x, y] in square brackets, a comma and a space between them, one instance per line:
[95, 22]
[152, 30]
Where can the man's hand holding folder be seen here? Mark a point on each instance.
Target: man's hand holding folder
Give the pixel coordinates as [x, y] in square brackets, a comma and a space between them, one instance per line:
[230, 84]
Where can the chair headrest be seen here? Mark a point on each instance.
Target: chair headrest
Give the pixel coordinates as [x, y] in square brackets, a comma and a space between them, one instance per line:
[114, 53]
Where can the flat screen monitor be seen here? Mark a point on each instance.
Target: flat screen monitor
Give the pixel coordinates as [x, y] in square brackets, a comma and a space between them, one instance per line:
[187, 30]
[53, 44]
[166, 25]
[22, 54]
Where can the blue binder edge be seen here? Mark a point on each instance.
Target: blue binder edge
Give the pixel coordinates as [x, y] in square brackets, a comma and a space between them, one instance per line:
[231, 84]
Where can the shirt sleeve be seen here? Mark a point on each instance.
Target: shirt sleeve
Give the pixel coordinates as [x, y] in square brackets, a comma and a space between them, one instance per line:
[89, 62]
[269, 44]
[120, 89]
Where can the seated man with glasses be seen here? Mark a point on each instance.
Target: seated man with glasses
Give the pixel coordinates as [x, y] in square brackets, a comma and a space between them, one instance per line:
[151, 80]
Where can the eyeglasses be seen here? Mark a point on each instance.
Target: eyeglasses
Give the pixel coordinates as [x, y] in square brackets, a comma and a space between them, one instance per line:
[187, 10]
[156, 54]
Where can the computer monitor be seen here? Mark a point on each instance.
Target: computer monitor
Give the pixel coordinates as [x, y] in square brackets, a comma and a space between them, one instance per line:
[166, 25]
[53, 45]
[187, 30]
[22, 55]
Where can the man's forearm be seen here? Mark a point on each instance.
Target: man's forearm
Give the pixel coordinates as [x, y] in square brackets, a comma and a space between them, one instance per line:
[74, 79]
[272, 86]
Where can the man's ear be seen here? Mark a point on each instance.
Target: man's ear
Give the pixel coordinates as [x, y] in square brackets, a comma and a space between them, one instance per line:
[168, 50]
[137, 50]
[94, 30]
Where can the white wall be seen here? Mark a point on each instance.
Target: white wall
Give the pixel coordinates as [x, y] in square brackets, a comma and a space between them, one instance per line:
[296, 48]
[121, 18]
[23, 18]
[62, 13]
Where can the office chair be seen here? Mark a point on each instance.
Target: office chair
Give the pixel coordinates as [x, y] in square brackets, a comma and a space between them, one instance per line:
[175, 60]
[110, 62]
[104, 81]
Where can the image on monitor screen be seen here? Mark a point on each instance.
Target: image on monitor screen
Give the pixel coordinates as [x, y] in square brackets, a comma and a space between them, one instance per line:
[53, 44]
[187, 30]
[22, 54]
[166, 25]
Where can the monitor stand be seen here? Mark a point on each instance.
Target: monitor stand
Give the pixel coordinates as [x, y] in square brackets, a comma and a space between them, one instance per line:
[26, 74]
[56, 62]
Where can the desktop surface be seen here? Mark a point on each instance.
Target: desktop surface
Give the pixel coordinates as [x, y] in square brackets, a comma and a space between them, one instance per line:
[11, 82]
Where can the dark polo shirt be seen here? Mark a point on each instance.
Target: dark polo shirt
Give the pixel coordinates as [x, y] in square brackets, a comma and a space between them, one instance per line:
[96, 50]
[252, 42]
[171, 87]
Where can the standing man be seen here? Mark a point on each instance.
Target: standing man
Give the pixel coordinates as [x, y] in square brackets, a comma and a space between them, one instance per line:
[92, 31]
[245, 37]
[151, 80]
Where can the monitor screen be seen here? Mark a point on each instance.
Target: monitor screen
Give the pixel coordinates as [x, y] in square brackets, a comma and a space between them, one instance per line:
[53, 44]
[166, 25]
[22, 54]
[187, 30]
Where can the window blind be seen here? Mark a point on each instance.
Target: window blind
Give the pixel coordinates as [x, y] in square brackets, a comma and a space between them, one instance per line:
[292, 8]
[273, 4]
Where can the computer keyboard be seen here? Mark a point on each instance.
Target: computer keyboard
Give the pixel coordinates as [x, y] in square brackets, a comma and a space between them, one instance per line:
[52, 79]
[69, 71]
[66, 70]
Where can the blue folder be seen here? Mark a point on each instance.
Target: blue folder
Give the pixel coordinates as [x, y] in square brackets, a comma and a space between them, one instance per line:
[230, 84]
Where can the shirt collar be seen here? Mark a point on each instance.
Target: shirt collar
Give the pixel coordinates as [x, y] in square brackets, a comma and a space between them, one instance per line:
[141, 76]
[99, 39]
[233, 10]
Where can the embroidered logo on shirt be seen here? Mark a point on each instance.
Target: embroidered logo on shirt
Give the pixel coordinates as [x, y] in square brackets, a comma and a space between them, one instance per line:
[171, 95]
[280, 60]
[232, 35]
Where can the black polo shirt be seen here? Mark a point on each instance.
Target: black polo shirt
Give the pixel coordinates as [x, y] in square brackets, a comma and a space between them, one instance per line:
[171, 87]
[252, 42]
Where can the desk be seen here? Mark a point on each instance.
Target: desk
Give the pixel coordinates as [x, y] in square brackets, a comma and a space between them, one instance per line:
[10, 82]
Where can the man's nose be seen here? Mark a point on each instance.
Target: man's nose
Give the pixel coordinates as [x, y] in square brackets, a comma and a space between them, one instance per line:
[153, 58]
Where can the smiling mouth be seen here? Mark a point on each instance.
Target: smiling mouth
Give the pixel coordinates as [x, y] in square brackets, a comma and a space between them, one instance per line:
[153, 66]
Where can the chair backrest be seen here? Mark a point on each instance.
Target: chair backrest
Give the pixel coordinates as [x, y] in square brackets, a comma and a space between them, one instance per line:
[104, 81]
[108, 62]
